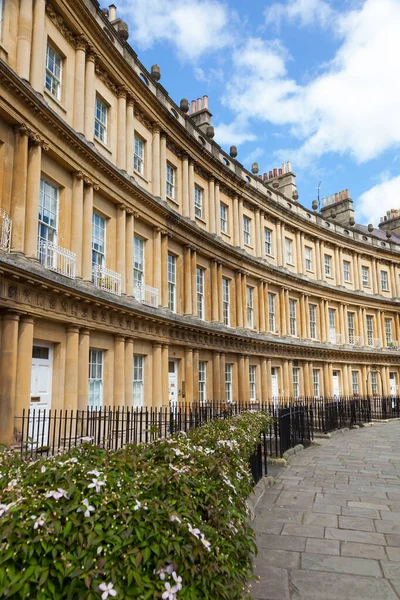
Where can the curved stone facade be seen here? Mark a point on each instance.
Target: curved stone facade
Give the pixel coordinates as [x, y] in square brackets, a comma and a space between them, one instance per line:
[147, 266]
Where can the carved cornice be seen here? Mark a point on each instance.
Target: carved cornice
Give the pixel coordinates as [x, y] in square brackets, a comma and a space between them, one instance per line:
[59, 22]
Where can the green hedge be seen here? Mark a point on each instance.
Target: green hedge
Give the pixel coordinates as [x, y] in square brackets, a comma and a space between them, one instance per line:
[167, 520]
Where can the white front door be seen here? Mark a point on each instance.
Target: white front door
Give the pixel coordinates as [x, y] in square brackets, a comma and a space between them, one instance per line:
[40, 404]
[274, 385]
[336, 386]
[393, 384]
[173, 383]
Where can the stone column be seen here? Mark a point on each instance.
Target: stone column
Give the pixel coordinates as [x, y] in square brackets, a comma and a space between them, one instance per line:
[165, 375]
[327, 320]
[393, 281]
[286, 379]
[299, 261]
[374, 277]
[128, 372]
[221, 316]
[156, 184]
[71, 368]
[236, 235]
[239, 298]
[357, 282]
[244, 299]
[261, 306]
[79, 88]
[83, 369]
[19, 184]
[214, 291]
[397, 327]
[119, 370]
[341, 323]
[121, 246]
[257, 232]
[130, 134]
[241, 382]
[346, 324]
[303, 317]
[327, 381]
[282, 302]
[269, 378]
[321, 311]
[157, 261]
[90, 96]
[278, 230]
[188, 280]
[217, 202]
[262, 235]
[216, 377]
[266, 315]
[364, 325]
[194, 283]
[130, 224]
[338, 270]
[322, 259]
[87, 232]
[32, 198]
[185, 185]
[346, 381]
[24, 38]
[307, 309]
[164, 269]
[77, 219]
[246, 379]
[189, 375]
[163, 165]
[264, 380]
[222, 394]
[363, 386]
[318, 260]
[306, 380]
[191, 190]
[157, 376]
[341, 275]
[283, 245]
[24, 365]
[38, 45]
[241, 237]
[211, 205]
[380, 328]
[8, 375]
[121, 140]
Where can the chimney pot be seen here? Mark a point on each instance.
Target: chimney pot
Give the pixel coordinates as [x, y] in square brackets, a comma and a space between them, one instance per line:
[289, 166]
[280, 172]
[205, 101]
[284, 168]
[270, 174]
[193, 106]
[275, 172]
[198, 104]
[265, 177]
[113, 12]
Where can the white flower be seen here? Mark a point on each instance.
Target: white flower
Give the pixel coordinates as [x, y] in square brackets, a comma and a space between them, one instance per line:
[43, 469]
[108, 590]
[73, 460]
[95, 473]
[175, 518]
[206, 544]
[169, 593]
[178, 581]
[194, 531]
[39, 522]
[177, 452]
[137, 505]
[12, 483]
[99, 550]
[96, 483]
[5, 507]
[88, 508]
[57, 494]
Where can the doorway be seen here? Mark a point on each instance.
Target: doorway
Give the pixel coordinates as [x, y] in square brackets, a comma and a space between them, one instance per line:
[336, 384]
[173, 383]
[40, 403]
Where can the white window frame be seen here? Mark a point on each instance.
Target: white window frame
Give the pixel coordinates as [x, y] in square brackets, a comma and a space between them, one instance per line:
[268, 241]
[138, 381]
[246, 231]
[139, 249]
[374, 383]
[223, 217]
[200, 292]
[202, 381]
[252, 383]
[54, 68]
[354, 382]
[250, 306]
[101, 120]
[99, 241]
[139, 153]
[328, 265]
[170, 183]
[332, 321]
[308, 253]
[228, 383]
[384, 281]
[49, 203]
[312, 316]
[226, 301]
[351, 327]
[198, 202]
[96, 378]
[293, 317]
[388, 332]
[271, 312]
[370, 329]
[365, 275]
[171, 282]
[289, 251]
[296, 382]
[316, 383]
[347, 271]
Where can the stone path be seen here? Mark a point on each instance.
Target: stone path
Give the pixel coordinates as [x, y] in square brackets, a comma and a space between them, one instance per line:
[330, 527]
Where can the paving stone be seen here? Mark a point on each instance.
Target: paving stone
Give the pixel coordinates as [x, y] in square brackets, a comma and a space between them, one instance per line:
[277, 558]
[391, 570]
[391, 516]
[266, 525]
[341, 564]
[274, 584]
[314, 585]
[320, 546]
[357, 523]
[387, 526]
[360, 512]
[393, 553]
[281, 542]
[393, 540]
[348, 535]
[362, 550]
[321, 520]
[332, 509]
[309, 531]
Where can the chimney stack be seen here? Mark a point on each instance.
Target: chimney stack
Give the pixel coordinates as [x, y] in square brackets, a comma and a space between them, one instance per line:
[112, 12]
[201, 115]
[391, 221]
[338, 206]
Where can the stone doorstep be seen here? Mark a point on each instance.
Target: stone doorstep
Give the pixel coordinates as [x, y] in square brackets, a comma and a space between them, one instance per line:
[256, 495]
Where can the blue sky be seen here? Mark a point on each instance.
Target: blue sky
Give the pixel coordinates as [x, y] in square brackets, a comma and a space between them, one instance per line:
[316, 82]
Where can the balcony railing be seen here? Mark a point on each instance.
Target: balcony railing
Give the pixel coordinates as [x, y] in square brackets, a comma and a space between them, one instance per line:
[5, 231]
[336, 338]
[374, 342]
[106, 280]
[356, 341]
[146, 295]
[57, 259]
[392, 346]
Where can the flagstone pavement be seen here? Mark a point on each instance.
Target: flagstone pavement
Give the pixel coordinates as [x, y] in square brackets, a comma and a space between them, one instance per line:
[329, 529]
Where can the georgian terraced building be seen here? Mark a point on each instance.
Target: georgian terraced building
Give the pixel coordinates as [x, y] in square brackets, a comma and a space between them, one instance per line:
[142, 265]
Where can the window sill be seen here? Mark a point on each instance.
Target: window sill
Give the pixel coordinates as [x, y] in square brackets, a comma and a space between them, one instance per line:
[226, 234]
[310, 271]
[329, 276]
[138, 174]
[172, 200]
[248, 246]
[200, 219]
[55, 100]
[349, 282]
[102, 144]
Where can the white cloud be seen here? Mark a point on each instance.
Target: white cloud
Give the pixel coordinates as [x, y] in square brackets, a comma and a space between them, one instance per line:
[374, 203]
[235, 133]
[300, 12]
[188, 27]
[351, 107]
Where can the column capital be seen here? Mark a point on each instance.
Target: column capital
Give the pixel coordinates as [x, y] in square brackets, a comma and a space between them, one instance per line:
[91, 54]
[36, 140]
[72, 328]
[118, 337]
[158, 345]
[79, 175]
[165, 346]
[28, 319]
[80, 42]
[122, 91]
[84, 331]
[21, 129]
[156, 128]
[11, 315]
[163, 134]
